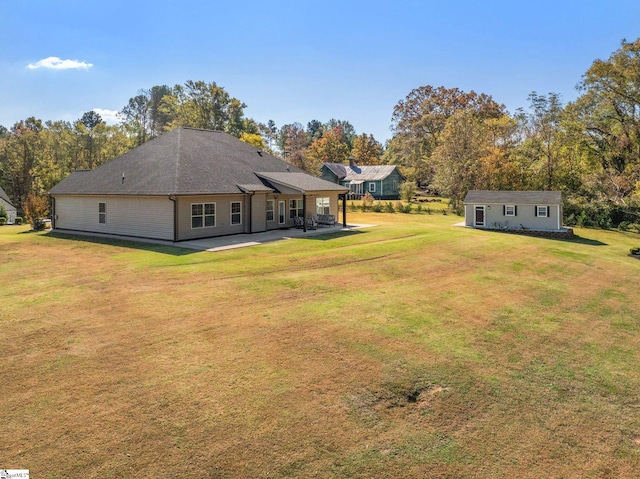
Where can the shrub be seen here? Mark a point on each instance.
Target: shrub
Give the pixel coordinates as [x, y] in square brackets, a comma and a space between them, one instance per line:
[399, 206]
[3, 221]
[635, 251]
[407, 190]
[3, 212]
[388, 207]
[377, 208]
[367, 201]
[18, 220]
[36, 209]
[419, 208]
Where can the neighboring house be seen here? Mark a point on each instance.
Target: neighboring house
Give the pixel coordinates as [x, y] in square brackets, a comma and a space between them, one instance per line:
[381, 181]
[514, 210]
[6, 202]
[188, 184]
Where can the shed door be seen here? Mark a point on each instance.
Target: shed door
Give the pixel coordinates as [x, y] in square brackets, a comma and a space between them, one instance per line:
[479, 216]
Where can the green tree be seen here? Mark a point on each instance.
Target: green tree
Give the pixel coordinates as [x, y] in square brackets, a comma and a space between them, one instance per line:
[330, 148]
[367, 150]
[419, 120]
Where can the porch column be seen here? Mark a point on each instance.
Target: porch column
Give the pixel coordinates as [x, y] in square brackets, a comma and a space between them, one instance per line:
[344, 210]
[304, 217]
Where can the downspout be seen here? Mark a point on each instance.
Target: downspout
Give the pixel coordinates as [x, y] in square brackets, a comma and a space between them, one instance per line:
[175, 218]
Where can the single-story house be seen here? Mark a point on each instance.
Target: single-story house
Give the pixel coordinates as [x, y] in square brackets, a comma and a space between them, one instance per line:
[11, 210]
[381, 181]
[514, 210]
[188, 184]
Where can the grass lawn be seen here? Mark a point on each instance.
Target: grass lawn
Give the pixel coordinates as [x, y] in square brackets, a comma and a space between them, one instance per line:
[412, 349]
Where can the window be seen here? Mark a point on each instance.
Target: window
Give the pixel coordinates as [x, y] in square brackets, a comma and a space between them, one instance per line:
[203, 215]
[372, 187]
[395, 185]
[322, 206]
[236, 213]
[509, 210]
[295, 208]
[102, 213]
[270, 210]
[542, 211]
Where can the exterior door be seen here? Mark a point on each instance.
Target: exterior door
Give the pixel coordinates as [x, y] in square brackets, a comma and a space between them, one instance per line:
[479, 216]
[281, 213]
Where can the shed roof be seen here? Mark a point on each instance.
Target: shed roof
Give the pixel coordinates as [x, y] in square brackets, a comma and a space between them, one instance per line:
[514, 197]
[183, 161]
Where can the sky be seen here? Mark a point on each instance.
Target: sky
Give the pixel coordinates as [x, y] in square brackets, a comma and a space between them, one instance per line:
[296, 61]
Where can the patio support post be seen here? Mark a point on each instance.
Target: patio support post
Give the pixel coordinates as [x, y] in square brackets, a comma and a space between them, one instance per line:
[344, 210]
[304, 209]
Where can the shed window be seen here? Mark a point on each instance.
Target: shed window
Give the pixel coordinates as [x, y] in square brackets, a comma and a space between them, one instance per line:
[510, 210]
[203, 215]
[236, 213]
[102, 213]
[270, 210]
[542, 211]
[372, 187]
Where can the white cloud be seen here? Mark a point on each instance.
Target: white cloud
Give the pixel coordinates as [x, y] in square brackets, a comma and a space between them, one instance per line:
[110, 117]
[55, 63]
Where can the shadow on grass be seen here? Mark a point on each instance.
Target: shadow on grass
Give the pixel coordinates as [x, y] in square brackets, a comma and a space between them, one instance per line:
[581, 240]
[143, 246]
[329, 235]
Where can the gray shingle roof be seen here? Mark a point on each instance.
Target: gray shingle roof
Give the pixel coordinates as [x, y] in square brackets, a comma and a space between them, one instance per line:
[361, 173]
[514, 197]
[5, 197]
[300, 181]
[180, 162]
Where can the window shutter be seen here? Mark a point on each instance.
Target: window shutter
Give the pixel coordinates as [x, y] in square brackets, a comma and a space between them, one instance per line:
[515, 210]
[504, 210]
[548, 212]
[536, 210]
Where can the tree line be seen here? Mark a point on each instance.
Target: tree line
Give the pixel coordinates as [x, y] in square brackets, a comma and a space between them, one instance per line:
[443, 139]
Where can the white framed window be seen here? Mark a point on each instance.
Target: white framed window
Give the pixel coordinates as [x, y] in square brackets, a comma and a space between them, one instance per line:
[296, 208]
[203, 215]
[270, 210]
[322, 206]
[102, 213]
[236, 213]
[372, 187]
[509, 210]
[542, 211]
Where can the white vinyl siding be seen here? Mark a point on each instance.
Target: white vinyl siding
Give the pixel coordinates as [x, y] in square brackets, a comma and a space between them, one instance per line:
[139, 216]
[219, 220]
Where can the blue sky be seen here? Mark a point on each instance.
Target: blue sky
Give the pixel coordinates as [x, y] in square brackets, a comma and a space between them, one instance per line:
[295, 60]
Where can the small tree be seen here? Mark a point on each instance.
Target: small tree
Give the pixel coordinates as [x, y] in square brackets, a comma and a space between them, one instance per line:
[367, 201]
[36, 209]
[407, 190]
[3, 212]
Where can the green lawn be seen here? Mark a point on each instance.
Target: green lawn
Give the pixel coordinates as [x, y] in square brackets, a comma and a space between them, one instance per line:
[410, 349]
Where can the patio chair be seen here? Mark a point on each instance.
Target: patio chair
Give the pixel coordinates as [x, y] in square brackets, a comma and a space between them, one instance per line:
[312, 224]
